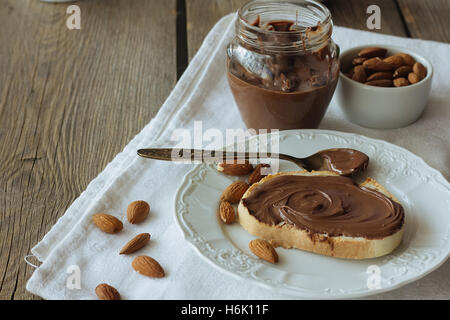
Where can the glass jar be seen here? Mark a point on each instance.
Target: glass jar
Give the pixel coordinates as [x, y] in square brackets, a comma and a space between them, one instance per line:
[283, 65]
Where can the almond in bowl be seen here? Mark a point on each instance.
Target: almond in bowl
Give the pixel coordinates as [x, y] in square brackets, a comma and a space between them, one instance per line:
[382, 86]
[372, 66]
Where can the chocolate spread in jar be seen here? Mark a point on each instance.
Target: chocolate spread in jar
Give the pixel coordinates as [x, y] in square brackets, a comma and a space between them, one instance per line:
[332, 205]
[283, 90]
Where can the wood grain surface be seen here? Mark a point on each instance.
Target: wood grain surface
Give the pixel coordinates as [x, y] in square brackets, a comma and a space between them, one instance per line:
[427, 19]
[70, 100]
[352, 14]
[396, 18]
[201, 17]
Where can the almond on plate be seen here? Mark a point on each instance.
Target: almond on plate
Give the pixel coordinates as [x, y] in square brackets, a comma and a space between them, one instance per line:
[137, 211]
[234, 192]
[264, 250]
[147, 266]
[136, 243]
[226, 212]
[106, 292]
[107, 223]
[235, 169]
[257, 174]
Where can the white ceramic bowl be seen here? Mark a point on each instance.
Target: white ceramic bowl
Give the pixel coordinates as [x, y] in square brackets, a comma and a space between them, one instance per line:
[380, 107]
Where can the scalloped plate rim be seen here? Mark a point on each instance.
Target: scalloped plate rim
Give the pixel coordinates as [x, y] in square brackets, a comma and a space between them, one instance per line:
[302, 292]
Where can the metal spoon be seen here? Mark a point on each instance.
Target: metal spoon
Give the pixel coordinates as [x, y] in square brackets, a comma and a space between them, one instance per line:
[343, 161]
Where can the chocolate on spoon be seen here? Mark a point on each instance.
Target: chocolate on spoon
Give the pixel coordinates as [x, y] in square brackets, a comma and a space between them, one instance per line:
[343, 161]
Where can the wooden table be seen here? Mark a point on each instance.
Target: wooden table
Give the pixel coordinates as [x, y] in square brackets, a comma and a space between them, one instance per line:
[70, 100]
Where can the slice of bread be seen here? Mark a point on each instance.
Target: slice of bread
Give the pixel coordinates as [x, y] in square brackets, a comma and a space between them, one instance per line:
[288, 236]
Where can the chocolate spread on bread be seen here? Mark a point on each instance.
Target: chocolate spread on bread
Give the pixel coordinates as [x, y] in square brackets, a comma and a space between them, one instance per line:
[331, 205]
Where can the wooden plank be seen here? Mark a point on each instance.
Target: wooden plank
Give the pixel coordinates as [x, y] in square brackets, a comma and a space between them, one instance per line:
[182, 54]
[427, 19]
[70, 100]
[202, 15]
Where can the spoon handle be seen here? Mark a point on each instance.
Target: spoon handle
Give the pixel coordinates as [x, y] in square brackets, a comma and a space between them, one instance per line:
[181, 155]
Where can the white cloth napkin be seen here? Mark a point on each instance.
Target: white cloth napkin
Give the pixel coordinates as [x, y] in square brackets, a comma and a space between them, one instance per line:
[203, 94]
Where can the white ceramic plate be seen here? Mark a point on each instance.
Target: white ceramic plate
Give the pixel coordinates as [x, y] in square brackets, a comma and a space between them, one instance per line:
[423, 192]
